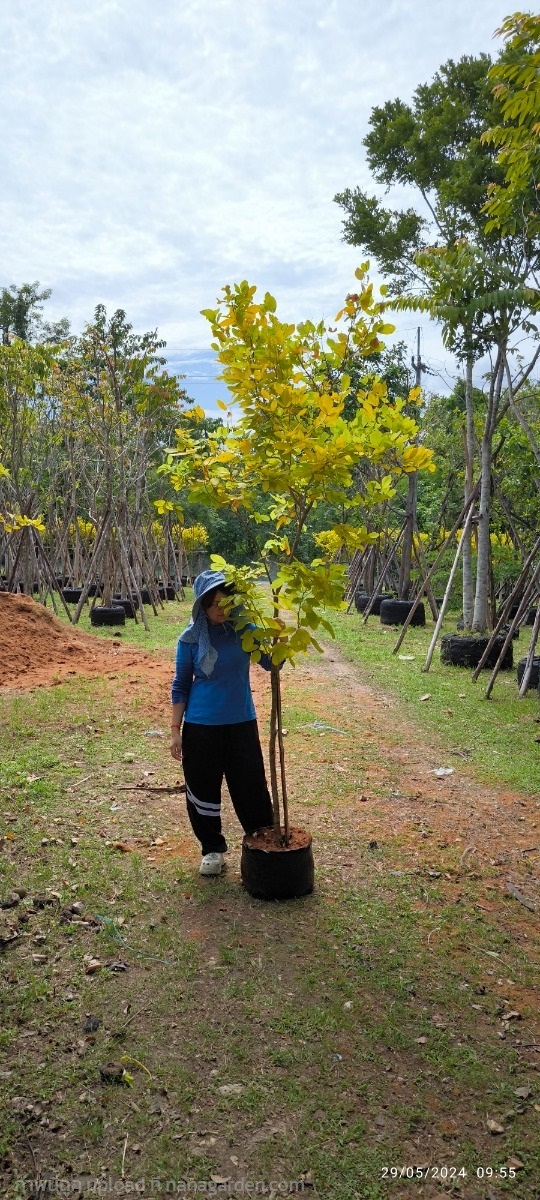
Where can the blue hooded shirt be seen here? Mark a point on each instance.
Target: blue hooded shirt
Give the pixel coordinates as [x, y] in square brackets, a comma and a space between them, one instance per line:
[212, 669]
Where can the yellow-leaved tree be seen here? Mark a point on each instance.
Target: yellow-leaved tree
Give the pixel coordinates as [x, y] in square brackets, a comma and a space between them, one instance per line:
[287, 449]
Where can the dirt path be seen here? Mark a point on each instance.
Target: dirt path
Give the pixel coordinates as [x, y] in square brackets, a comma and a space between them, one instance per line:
[382, 787]
[400, 796]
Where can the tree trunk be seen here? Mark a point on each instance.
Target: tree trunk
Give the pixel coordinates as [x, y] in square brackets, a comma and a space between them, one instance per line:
[480, 615]
[468, 590]
[274, 679]
[277, 744]
[281, 746]
[410, 526]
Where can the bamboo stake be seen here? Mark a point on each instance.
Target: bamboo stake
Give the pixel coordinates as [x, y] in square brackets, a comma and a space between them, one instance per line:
[522, 609]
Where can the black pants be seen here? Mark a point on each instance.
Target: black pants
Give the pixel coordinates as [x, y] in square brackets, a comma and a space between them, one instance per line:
[210, 752]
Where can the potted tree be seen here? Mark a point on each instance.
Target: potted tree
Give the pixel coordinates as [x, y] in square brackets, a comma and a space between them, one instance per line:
[287, 450]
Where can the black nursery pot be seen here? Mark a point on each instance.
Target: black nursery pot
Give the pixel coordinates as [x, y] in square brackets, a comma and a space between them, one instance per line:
[467, 651]
[128, 605]
[273, 872]
[72, 595]
[395, 612]
[107, 616]
[534, 677]
[362, 600]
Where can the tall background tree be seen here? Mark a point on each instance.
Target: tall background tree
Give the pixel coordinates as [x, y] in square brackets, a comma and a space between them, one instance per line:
[21, 315]
[440, 256]
[515, 79]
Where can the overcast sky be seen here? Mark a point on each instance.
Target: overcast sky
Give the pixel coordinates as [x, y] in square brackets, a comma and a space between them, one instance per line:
[152, 152]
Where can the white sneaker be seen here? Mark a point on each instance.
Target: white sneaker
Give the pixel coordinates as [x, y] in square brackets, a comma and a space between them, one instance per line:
[211, 864]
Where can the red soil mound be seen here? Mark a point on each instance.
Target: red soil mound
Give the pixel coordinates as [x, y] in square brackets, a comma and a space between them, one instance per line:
[38, 649]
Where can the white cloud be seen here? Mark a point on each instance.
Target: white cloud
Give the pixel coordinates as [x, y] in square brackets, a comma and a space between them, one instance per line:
[152, 152]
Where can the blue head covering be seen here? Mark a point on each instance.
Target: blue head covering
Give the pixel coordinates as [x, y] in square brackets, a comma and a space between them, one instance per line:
[197, 631]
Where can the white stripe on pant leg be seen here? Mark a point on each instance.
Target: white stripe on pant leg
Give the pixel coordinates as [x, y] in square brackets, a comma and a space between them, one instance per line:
[204, 809]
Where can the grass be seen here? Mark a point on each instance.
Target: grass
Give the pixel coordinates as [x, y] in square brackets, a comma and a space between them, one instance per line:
[328, 1057]
[362, 1025]
[163, 629]
[496, 736]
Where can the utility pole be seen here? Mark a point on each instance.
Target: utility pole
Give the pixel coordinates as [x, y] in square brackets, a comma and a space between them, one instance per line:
[417, 364]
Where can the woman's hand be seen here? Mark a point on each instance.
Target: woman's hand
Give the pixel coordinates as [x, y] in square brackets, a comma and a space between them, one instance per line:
[177, 716]
[176, 744]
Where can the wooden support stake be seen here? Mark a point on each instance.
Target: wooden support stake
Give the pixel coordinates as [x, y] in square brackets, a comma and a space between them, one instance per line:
[522, 608]
[355, 570]
[423, 569]
[530, 656]
[48, 567]
[508, 604]
[384, 573]
[467, 507]
[95, 559]
[135, 585]
[433, 643]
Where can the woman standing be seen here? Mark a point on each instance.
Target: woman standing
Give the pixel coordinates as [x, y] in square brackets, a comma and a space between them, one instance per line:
[211, 694]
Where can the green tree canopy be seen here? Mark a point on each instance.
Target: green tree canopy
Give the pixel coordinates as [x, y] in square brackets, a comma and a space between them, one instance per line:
[515, 78]
[433, 145]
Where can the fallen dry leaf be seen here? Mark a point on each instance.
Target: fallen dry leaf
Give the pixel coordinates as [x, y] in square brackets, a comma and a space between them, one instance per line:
[494, 1126]
[91, 964]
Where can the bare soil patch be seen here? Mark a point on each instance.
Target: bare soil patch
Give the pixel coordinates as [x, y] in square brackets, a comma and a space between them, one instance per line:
[265, 840]
[39, 650]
